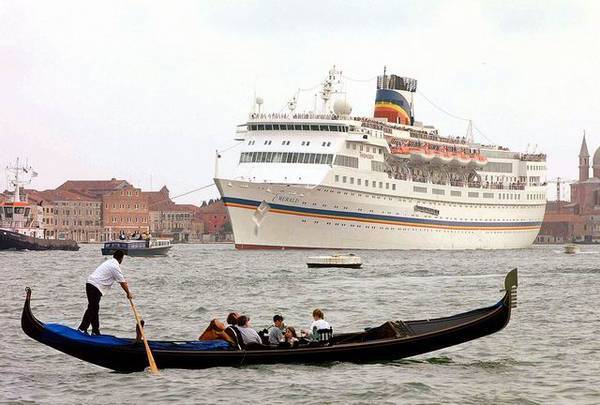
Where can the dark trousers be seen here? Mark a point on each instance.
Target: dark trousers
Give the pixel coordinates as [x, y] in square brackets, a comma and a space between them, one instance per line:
[91, 313]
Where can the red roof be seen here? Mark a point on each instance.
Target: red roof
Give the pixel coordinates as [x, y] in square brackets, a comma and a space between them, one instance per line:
[94, 188]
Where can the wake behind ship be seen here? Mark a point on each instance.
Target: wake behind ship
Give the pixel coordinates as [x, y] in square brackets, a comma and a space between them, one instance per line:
[331, 180]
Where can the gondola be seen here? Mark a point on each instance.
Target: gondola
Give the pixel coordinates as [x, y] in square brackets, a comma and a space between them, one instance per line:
[393, 340]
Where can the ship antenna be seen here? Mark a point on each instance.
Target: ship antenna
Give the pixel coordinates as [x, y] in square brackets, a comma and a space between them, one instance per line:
[384, 84]
[470, 132]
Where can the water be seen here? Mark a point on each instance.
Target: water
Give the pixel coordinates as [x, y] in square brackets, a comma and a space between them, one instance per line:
[549, 352]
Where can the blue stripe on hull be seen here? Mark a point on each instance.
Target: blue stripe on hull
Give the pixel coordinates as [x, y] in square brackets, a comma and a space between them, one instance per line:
[376, 217]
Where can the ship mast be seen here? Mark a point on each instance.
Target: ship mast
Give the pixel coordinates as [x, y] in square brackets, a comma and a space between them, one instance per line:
[17, 180]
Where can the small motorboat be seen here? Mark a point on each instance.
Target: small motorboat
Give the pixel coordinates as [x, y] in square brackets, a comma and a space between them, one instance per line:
[571, 249]
[148, 247]
[390, 341]
[349, 261]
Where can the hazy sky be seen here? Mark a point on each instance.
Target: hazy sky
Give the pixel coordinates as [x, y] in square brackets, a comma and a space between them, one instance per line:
[141, 90]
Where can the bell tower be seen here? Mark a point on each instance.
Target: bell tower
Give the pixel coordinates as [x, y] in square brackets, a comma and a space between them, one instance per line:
[584, 161]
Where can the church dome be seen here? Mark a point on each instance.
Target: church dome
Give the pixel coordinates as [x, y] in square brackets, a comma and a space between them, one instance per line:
[596, 160]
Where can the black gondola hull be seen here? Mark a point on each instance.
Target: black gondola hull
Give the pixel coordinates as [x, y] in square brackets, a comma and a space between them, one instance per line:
[423, 336]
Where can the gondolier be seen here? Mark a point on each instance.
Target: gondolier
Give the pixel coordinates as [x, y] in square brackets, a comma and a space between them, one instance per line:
[98, 284]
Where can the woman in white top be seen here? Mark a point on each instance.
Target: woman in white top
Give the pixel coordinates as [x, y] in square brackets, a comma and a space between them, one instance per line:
[318, 322]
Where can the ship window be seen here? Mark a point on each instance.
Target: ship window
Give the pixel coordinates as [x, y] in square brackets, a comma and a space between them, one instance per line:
[307, 143]
[488, 195]
[288, 157]
[328, 143]
[253, 127]
[358, 181]
[329, 159]
[324, 128]
[387, 185]
[333, 128]
[323, 144]
[261, 127]
[283, 142]
[311, 158]
[276, 127]
[354, 146]
[297, 127]
[314, 127]
[305, 127]
[343, 179]
[454, 193]
[438, 191]
[473, 194]
[269, 127]
[374, 185]
[393, 187]
[351, 180]
[300, 157]
[419, 189]
[337, 178]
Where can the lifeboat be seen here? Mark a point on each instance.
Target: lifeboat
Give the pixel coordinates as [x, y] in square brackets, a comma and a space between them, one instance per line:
[421, 154]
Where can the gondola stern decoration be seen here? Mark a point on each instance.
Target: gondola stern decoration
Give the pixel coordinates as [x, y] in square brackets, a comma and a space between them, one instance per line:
[511, 282]
[29, 323]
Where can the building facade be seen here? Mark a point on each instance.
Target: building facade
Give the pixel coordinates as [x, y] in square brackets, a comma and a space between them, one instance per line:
[124, 210]
[577, 220]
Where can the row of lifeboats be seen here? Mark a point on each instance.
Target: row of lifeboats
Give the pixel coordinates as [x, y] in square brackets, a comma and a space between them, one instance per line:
[441, 156]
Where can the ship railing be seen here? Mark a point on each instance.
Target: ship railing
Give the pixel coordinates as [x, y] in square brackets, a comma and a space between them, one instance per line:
[262, 116]
[533, 157]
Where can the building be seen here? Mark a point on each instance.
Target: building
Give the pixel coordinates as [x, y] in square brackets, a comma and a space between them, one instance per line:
[216, 220]
[168, 219]
[578, 219]
[125, 210]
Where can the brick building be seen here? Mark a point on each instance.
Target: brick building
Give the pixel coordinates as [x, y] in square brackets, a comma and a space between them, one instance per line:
[125, 210]
[215, 219]
[172, 220]
[578, 219]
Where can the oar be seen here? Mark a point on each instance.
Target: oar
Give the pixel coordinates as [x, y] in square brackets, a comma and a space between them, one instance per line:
[153, 368]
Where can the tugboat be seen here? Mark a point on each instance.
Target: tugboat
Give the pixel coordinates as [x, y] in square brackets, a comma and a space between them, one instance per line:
[19, 228]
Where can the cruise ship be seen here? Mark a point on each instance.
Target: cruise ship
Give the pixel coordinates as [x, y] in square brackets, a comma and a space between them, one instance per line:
[331, 180]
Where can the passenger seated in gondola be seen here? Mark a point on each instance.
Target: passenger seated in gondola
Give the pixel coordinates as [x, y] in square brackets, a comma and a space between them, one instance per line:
[249, 335]
[231, 328]
[275, 333]
[319, 326]
[290, 339]
[215, 331]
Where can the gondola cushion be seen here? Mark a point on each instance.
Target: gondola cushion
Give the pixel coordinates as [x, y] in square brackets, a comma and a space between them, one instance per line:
[57, 332]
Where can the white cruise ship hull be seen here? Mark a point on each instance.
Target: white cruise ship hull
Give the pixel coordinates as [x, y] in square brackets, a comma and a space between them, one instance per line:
[283, 216]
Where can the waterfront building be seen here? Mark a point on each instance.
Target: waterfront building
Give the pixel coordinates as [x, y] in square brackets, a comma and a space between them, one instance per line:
[577, 219]
[125, 210]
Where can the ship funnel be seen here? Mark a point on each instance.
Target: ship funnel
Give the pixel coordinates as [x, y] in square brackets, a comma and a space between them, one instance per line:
[394, 99]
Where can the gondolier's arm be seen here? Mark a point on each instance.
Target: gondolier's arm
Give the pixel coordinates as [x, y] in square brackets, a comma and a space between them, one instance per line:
[125, 287]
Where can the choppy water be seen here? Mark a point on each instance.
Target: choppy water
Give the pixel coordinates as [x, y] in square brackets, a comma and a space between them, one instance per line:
[549, 353]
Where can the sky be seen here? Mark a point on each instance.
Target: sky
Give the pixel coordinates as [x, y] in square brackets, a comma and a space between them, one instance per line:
[148, 91]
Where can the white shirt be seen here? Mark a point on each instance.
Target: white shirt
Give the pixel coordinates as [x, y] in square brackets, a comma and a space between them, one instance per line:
[319, 324]
[105, 275]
